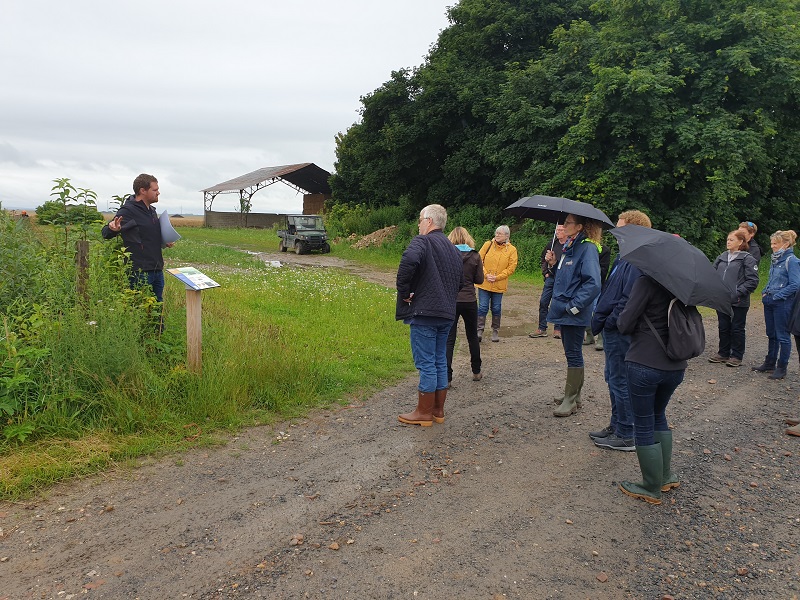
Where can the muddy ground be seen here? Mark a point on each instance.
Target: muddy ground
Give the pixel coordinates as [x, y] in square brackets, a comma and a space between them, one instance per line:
[501, 501]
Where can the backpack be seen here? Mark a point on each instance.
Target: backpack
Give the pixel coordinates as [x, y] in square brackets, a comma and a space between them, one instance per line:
[687, 336]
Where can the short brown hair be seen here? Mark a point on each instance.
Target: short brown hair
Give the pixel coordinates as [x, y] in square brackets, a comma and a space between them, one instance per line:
[635, 217]
[749, 226]
[143, 181]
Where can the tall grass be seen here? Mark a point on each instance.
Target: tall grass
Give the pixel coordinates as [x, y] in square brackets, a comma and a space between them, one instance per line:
[104, 386]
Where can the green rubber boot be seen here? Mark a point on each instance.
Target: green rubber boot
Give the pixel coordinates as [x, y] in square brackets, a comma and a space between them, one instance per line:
[651, 464]
[572, 393]
[668, 479]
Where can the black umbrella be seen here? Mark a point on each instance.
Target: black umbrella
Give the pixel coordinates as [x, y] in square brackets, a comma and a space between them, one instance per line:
[674, 263]
[555, 210]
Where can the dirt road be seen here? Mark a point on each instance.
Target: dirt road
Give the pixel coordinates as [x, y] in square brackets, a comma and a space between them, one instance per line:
[501, 501]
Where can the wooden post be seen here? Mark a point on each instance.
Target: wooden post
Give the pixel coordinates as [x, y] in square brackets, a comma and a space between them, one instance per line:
[194, 331]
[82, 260]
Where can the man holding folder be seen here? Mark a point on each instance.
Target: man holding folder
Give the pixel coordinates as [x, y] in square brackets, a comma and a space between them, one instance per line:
[138, 224]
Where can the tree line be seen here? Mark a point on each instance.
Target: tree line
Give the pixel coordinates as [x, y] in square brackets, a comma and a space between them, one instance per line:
[686, 109]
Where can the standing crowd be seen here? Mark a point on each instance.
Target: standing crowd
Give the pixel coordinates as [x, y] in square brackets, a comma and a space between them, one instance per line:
[625, 315]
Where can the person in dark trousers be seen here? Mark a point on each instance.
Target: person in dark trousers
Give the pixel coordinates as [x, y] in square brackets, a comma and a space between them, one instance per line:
[739, 270]
[577, 285]
[618, 435]
[466, 303]
[652, 379]
[750, 231]
[548, 277]
[428, 280]
[778, 297]
[137, 222]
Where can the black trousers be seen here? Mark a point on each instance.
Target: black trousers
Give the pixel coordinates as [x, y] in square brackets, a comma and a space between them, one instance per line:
[469, 312]
[731, 332]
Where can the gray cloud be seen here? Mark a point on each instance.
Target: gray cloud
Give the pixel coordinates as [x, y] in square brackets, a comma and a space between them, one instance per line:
[194, 92]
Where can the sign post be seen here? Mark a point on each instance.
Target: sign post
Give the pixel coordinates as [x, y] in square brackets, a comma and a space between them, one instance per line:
[195, 281]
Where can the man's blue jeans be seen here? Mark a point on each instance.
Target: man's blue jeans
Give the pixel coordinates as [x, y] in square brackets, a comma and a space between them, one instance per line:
[615, 346]
[429, 349]
[650, 391]
[544, 301]
[495, 299]
[155, 279]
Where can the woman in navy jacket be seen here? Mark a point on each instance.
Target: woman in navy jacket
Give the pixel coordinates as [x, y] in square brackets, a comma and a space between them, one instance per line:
[576, 288]
[739, 270]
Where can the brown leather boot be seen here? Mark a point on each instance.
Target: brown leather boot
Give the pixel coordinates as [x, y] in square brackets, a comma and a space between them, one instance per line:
[423, 415]
[438, 405]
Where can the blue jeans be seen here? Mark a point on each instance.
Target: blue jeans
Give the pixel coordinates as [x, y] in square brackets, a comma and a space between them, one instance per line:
[429, 349]
[572, 341]
[485, 298]
[776, 318]
[615, 346]
[155, 279]
[650, 391]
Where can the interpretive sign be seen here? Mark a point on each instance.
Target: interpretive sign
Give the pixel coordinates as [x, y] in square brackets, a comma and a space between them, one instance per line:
[194, 279]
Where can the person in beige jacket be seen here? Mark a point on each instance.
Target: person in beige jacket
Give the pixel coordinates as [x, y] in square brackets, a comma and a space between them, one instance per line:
[499, 263]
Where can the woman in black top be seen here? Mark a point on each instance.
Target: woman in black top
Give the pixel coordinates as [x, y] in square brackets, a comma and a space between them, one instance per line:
[652, 378]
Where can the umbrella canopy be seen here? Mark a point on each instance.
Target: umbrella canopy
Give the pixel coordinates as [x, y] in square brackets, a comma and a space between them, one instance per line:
[555, 210]
[674, 263]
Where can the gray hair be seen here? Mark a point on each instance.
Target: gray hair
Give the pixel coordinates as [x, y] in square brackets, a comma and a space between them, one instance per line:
[436, 213]
[503, 229]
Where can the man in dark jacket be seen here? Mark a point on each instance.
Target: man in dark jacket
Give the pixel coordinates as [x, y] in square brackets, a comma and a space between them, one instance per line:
[137, 222]
[612, 301]
[549, 277]
[428, 280]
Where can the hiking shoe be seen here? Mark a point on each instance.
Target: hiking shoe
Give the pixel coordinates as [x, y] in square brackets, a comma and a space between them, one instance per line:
[477, 376]
[538, 333]
[557, 335]
[718, 358]
[614, 442]
[604, 432]
[734, 362]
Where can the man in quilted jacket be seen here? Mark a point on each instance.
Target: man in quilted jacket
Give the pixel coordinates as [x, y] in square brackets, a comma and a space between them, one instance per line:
[428, 280]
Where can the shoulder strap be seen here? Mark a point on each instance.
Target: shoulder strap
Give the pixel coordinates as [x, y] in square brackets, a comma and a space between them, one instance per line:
[655, 333]
[653, 329]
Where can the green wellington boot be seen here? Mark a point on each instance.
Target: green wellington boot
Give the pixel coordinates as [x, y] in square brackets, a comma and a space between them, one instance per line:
[652, 466]
[668, 479]
[572, 393]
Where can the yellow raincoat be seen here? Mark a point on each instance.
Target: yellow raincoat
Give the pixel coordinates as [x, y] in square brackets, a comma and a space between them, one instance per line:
[500, 260]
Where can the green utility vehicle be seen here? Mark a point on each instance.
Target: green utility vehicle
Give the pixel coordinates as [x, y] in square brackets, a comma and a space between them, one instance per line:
[303, 234]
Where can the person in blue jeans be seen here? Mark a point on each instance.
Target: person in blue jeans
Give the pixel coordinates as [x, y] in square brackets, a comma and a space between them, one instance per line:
[652, 379]
[577, 285]
[778, 299]
[428, 280]
[549, 278]
[618, 435]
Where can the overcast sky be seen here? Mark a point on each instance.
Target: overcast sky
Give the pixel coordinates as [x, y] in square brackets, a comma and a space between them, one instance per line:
[195, 93]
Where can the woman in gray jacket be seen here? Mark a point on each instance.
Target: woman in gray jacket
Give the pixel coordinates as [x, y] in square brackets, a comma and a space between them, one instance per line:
[739, 270]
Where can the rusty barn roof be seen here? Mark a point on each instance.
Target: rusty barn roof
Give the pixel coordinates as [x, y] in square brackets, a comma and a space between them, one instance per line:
[306, 176]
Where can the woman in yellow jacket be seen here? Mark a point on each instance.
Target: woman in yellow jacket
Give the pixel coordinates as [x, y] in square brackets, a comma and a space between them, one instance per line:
[499, 262]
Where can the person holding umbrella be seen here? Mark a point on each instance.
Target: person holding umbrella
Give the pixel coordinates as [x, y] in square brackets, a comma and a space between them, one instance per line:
[778, 298]
[576, 287]
[672, 269]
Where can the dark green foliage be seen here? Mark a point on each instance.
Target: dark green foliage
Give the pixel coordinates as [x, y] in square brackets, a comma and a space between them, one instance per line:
[686, 110]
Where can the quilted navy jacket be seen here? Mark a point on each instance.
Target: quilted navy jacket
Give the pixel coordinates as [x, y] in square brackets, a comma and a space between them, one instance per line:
[431, 269]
